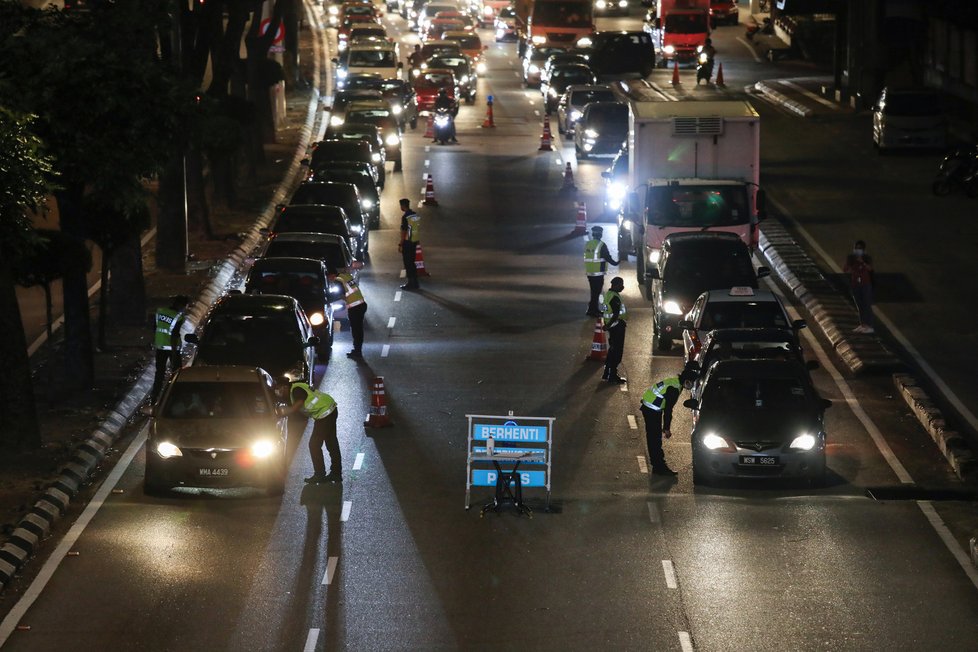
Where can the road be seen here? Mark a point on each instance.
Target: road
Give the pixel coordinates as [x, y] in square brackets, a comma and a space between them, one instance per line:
[391, 560]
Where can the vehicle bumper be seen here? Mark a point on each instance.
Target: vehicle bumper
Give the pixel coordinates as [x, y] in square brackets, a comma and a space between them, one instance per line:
[600, 147]
[196, 468]
[719, 464]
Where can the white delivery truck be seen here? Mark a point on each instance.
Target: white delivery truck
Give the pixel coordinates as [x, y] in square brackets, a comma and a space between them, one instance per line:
[693, 166]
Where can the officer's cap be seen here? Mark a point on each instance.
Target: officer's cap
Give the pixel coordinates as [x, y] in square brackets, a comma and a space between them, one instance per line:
[596, 230]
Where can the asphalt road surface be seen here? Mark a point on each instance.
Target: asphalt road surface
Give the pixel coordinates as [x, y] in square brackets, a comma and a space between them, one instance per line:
[390, 560]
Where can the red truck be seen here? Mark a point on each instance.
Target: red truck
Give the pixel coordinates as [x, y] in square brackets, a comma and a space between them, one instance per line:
[681, 29]
[553, 23]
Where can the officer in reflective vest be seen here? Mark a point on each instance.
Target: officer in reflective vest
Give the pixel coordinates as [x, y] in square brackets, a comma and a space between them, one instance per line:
[356, 309]
[596, 257]
[166, 340]
[657, 404]
[320, 407]
[410, 237]
[613, 311]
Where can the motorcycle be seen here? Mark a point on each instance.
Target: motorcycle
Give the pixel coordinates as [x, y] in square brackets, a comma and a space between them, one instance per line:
[444, 125]
[704, 68]
[959, 169]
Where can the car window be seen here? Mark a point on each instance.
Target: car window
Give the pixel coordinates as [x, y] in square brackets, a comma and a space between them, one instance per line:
[373, 58]
[608, 117]
[191, 400]
[298, 223]
[742, 314]
[328, 252]
[749, 350]
[580, 98]
[751, 394]
[697, 270]
[306, 287]
[697, 207]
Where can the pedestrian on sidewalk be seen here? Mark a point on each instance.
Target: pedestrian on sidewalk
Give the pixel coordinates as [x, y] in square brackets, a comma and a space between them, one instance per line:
[859, 266]
[408, 246]
[356, 310]
[596, 258]
[169, 322]
[321, 407]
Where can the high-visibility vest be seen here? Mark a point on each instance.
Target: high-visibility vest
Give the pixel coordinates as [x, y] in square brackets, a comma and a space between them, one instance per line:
[168, 322]
[594, 265]
[654, 397]
[606, 312]
[351, 291]
[413, 233]
[318, 405]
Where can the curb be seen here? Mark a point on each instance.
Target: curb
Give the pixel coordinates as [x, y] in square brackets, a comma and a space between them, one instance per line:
[780, 98]
[35, 526]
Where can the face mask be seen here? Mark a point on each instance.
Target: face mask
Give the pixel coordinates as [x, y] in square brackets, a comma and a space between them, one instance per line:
[858, 252]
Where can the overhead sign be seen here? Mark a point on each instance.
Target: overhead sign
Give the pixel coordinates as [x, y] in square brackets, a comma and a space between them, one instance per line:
[519, 445]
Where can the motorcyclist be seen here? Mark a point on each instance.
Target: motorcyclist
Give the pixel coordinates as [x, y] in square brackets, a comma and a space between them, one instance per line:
[414, 59]
[710, 53]
[447, 103]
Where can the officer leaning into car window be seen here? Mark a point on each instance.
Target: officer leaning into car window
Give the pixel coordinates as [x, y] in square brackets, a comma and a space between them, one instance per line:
[321, 407]
[169, 322]
[596, 259]
[658, 402]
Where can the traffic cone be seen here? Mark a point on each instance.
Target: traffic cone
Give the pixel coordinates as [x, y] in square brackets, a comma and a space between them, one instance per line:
[429, 192]
[599, 345]
[429, 130]
[675, 73]
[377, 416]
[547, 137]
[720, 76]
[568, 178]
[581, 226]
[419, 261]
[488, 122]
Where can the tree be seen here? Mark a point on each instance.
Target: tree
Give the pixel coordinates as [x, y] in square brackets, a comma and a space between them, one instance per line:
[25, 174]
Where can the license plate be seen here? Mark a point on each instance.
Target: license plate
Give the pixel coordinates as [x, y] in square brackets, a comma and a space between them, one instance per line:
[758, 460]
[213, 473]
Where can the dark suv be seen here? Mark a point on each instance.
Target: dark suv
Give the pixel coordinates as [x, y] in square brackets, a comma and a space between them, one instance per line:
[620, 54]
[690, 264]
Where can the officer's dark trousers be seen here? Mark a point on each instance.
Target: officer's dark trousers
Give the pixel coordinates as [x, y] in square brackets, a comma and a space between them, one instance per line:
[653, 436]
[163, 358]
[410, 271]
[616, 346]
[596, 283]
[356, 315]
[324, 432]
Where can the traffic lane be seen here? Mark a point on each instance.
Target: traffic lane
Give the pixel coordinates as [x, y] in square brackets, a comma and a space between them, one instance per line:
[818, 575]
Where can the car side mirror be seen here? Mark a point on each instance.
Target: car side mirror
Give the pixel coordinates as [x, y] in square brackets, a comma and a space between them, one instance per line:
[191, 338]
[691, 403]
[798, 324]
[812, 365]
[687, 325]
[763, 271]
[825, 404]
[652, 273]
[313, 341]
[356, 264]
[147, 411]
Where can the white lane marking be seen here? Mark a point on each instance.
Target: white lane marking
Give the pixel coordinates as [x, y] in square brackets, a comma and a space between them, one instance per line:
[750, 48]
[631, 422]
[403, 273]
[517, 74]
[358, 462]
[397, 296]
[670, 573]
[330, 571]
[942, 386]
[427, 164]
[311, 639]
[623, 387]
[391, 321]
[536, 112]
[558, 161]
[386, 351]
[643, 467]
[654, 513]
[938, 524]
[345, 514]
[427, 148]
[807, 93]
[685, 642]
[9, 623]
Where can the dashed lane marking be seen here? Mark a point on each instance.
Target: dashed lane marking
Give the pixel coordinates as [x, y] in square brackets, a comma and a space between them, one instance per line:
[631, 422]
[397, 296]
[654, 516]
[685, 642]
[642, 466]
[311, 639]
[345, 513]
[358, 462]
[386, 351]
[403, 274]
[623, 387]
[670, 573]
[391, 322]
[330, 571]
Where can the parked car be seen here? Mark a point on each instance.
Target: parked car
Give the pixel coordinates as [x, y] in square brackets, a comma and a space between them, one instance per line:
[353, 130]
[331, 249]
[911, 118]
[347, 150]
[347, 197]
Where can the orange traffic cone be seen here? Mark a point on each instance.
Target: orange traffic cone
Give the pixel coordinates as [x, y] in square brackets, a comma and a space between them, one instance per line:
[675, 73]
[599, 345]
[488, 121]
[568, 178]
[581, 226]
[547, 137]
[429, 130]
[720, 76]
[429, 193]
[419, 261]
[377, 416]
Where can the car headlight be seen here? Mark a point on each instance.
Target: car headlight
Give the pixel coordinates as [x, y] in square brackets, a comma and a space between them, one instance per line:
[622, 3]
[575, 114]
[316, 319]
[335, 120]
[654, 256]
[539, 40]
[584, 42]
[714, 442]
[392, 140]
[335, 289]
[416, 72]
[166, 450]
[441, 120]
[375, 157]
[342, 73]
[804, 442]
[672, 308]
[487, 11]
[341, 45]
[616, 190]
[625, 224]
[590, 133]
[464, 79]
[669, 49]
[601, 4]
[703, 58]
[396, 109]
[356, 229]
[480, 68]
[367, 203]
[334, 10]
[534, 69]
[263, 448]
[699, 48]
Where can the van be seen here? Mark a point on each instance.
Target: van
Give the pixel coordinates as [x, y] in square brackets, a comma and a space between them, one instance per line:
[909, 118]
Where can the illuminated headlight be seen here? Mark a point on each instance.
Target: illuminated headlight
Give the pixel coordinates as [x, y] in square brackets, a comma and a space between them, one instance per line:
[703, 58]
[334, 11]
[575, 115]
[539, 40]
[534, 69]
[335, 120]
[334, 288]
[263, 448]
[590, 133]
[654, 256]
[615, 204]
[412, 13]
[601, 4]
[367, 203]
[672, 308]
[699, 48]
[622, 3]
[616, 190]
[804, 442]
[392, 140]
[464, 79]
[396, 109]
[166, 450]
[342, 73]
[356, 229]
[714, 442]
[342, 44]
[334, 21]
[669, 49]
[441, 120]
[626, 224]
[480, 68]
[316, 319]
[487, 11]
[552, 92]
[584, 42]
[416, 72]
[375, 157]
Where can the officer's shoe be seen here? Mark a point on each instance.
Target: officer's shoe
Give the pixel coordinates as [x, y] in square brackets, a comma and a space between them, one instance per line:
[316, 478]
[605, 375]
[356, 354]
[409, 286]
[616, 379]
[664, 470]
[334, 476]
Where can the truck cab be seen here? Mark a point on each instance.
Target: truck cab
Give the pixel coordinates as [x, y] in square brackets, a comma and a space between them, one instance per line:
[553, 23]
[680, 30]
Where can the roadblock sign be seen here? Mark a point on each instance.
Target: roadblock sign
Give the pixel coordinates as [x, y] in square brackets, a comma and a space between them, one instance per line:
[521, 446]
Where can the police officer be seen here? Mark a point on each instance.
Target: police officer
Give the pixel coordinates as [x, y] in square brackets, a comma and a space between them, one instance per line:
[410, 237]
[320, 407]
[356, 309]
[614, 314]
[169, 322]
[657, 404]
[596, 258]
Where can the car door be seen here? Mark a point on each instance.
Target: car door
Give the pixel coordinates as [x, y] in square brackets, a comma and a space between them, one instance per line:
[692, 339]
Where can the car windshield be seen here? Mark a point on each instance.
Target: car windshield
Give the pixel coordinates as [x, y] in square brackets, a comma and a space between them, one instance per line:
[609, 117]
[912, 104]
[580, 98]
[562, 14]
[697, 207]
[358, 32]
[373, 58]
[361, 180]
[267, 341]
[328, 252]
[367, 115]
[748, 350]
[430, 50]
[742, 314]
[686, 23]
[751, 394]
[359, 10]
[345, 151]
[306, 287]
[369, 81]
[693, 271]
[542, 54]
[468, 42]
[191, 400]
[448, 62]
[566, 77]
[304, 223]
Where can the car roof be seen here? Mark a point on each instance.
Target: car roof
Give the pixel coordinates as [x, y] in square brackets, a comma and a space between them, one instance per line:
[752, 335]
[222, 374]
[288, 264]
[459, 32]
[740, 295]
[249, 304]
[371, 45]
[299, 236]
[573, 88]
[763, 368]
[328, 210]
